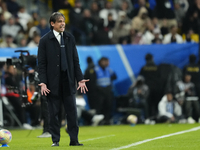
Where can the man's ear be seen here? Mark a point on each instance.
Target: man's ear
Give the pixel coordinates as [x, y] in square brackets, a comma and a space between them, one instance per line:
[52, 23]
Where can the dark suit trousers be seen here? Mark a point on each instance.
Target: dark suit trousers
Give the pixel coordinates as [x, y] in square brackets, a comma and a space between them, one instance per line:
[69, 103]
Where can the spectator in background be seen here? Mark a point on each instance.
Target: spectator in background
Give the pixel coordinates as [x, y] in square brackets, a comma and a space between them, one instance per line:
[190, 22]
[165, 10]
[75, 17]
[90, 74]
[43, 27]
[104, 95]
[12, 6]
[24, 17]
[157, 36]
[10, 28]
[194, 70]
[191, 99]
[123, 5]
[87, 27]
[135, 11]
[35, 41]
[133, 38]
[94, 9]
[150, 72]
[140, 21]
[2, 22]
[108, 9]
[8, 42]
[12, 86]
[148, 35]
[164, 28]
[123, 17]
[138, 95]
[101, 35]
[169, 110]
[179, 13]
[111, 22]
[5, 11]
[118, 32]
[22, 42]
[173, 36]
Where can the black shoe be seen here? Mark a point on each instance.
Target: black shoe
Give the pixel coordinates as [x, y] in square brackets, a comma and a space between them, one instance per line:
[55, 144]
[75, 144]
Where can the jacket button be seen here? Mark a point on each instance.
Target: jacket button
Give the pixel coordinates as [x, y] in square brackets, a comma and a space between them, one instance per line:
[57, 55]
[57, 65]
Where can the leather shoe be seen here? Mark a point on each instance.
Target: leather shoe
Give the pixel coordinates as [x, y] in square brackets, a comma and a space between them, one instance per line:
[75, 144]
[55, 144]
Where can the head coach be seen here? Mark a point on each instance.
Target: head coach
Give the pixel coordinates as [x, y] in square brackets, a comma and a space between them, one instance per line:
[59, 70]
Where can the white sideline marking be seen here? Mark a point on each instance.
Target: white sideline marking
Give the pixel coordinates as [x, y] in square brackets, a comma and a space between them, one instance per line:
[156, 138]
[125, 62]
[97, 138]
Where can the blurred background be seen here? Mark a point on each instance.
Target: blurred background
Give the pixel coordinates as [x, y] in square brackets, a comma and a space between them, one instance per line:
[141, 56]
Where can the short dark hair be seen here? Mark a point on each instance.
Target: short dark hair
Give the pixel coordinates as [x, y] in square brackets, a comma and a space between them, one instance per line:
[192, 58]
[148, 57]
[54, 17]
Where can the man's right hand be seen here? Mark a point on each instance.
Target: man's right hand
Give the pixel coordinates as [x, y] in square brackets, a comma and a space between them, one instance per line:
[44, 89]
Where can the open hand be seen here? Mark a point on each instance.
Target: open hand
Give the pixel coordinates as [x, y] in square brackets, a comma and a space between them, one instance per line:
[81, 84]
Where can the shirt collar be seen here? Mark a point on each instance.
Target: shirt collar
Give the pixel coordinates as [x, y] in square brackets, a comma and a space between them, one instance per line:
[56, 33]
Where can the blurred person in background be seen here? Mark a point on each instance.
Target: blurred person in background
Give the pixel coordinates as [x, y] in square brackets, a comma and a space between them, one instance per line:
[22, 42]
[111, 22]
[24, 17]
[75, 17]
[135, 11]
[150, 72]
[87, 26]
[118, 32]
[169, 110]
[90, 74]
[10, 28]
[140, 21]
[12, 6]
[165, 10]
[5, 11]
[43, 27]
[35, 41]
[94, 10]
[193, 69]
[105, 11]
[190, 99]
[157, 36]
[101, 35]
[179, 13]
[8, 42]
[148, 35]
[2, 22]
[12, 83]
[173, 36]
[138, 96]
[104, 94]
[190, 22]
[133, 37]
[123, 5]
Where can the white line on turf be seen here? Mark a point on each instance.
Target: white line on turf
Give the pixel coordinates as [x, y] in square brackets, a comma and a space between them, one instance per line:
[96, 138]
[156, 138]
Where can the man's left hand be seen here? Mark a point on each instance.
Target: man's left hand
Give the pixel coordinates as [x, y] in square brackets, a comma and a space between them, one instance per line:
[81, 84]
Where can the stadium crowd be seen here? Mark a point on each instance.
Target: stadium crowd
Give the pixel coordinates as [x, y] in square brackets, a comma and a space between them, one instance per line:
[101, 22]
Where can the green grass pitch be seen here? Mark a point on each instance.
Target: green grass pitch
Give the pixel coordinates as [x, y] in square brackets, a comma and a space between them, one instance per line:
[110, 137]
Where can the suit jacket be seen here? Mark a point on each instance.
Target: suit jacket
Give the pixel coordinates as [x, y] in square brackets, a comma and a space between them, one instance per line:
[49, 62]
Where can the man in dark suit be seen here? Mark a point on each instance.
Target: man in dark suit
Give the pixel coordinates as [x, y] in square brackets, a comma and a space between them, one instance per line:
[59, 69]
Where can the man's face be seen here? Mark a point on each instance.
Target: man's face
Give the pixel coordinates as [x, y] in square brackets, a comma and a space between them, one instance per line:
[59, 25]
[169, 97]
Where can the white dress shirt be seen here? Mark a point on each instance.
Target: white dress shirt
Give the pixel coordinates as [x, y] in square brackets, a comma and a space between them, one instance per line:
[57, 35]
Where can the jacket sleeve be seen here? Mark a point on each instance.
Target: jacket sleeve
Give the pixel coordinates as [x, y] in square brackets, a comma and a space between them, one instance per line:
[77, 70]
[42, 62]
